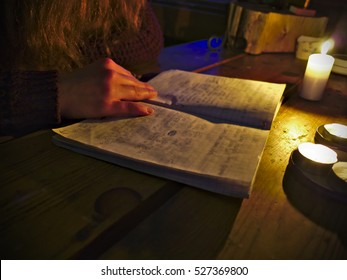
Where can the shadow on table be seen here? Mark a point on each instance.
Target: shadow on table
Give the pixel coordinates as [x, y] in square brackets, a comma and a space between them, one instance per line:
[194, 224]
[316, 204]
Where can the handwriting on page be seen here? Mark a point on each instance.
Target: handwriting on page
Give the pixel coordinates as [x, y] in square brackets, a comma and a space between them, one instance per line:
[177, 140]
[239, 101]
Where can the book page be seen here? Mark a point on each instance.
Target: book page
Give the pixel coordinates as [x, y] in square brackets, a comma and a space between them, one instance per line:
[239, 101]
[192, 150]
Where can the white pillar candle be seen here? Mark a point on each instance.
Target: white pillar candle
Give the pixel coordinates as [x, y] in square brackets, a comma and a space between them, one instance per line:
[317, 74]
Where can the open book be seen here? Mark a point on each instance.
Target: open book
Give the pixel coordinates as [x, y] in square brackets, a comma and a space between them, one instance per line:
[207, 131]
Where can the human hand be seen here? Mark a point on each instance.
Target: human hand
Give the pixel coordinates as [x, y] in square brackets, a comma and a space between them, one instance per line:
[102, 89]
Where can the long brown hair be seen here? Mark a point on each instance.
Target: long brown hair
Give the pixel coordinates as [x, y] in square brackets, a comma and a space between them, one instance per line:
[49, 34]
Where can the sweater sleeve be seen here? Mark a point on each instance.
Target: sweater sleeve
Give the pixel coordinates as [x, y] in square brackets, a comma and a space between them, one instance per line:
[28, 101]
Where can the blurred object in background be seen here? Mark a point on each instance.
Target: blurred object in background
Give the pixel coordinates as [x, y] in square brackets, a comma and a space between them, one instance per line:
[191, 20]
[267, 30]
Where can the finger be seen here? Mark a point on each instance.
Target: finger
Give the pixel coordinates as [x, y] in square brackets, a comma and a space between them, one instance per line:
[135, 93]
[129, 88]
[133, 81]
[127, 109]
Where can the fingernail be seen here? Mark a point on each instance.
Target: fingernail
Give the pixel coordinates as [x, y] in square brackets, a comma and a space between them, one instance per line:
[153, 93]
[150, 111]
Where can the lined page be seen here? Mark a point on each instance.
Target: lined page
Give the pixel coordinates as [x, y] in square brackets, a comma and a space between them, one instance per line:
[219, 157]
[238, 101]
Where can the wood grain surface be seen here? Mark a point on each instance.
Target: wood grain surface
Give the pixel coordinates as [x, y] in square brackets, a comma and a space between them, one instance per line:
[56, 204]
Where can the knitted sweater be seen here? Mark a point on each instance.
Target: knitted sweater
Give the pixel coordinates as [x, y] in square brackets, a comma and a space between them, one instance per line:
[28, 99]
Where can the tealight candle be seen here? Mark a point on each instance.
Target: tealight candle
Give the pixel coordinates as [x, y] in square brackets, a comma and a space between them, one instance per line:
[340, 170]
[337, 130]
[315, 158]
[333, 135]
[317, 73]
[318, 153]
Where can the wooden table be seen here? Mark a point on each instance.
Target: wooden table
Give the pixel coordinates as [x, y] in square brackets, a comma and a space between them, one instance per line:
[57, 204]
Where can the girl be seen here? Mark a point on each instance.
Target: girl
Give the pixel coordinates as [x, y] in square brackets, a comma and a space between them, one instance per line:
[68, 59]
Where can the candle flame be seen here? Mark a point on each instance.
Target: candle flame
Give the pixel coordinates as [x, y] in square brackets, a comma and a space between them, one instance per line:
[327, 45]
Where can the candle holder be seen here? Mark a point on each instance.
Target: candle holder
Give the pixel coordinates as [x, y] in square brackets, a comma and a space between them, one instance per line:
[340, 170]
[324, 177]
[315, 159]
[335, 137]
[335, 132]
